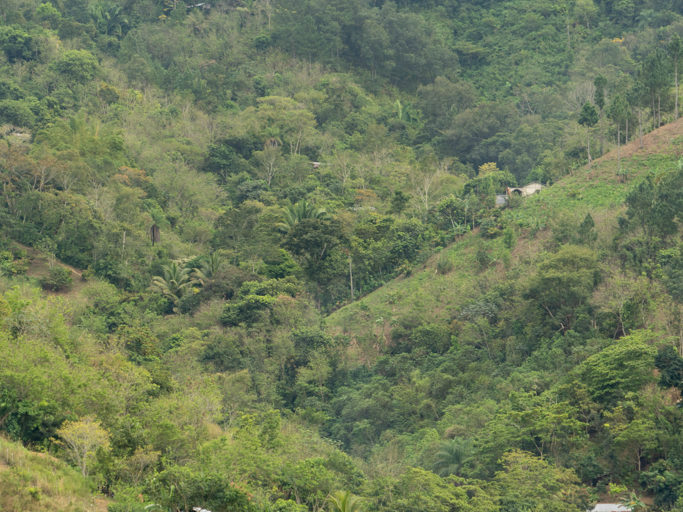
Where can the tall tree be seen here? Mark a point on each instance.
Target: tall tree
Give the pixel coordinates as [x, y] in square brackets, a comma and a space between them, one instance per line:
[654, 76]
[588, 118]
[618, 111]
[638, 98]
[675, 49]
[600, 83]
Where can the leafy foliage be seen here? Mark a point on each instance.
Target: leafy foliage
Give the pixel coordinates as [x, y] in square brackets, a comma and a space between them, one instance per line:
[298, 292]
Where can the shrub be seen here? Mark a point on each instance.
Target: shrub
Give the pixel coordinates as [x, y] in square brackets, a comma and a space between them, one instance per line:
[489, 227]
[9, 266]
[16, 112]
[444, 265]
[78, 65]
[17, 44]
[509, 237]
[58, 279]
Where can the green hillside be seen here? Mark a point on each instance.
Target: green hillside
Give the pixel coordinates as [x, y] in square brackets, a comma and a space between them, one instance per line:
[251, 258]
[534, 225]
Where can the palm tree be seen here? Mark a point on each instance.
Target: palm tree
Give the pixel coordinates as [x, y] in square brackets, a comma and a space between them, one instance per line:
[174, 283]
[298, 212]
[344, 501]
[109, 18]
[208, 268]
[452, 455]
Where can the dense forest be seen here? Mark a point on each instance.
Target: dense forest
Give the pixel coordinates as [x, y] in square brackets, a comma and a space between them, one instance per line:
[255, 255]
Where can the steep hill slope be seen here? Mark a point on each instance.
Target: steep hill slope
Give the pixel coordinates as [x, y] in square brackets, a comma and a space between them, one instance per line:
[432, 295]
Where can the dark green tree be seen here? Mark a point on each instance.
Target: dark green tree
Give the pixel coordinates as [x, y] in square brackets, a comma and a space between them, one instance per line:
[586, 232]
[600, 83]
[452, 455]
[564, 283]
[619, 112]
[675, 49]
[18, 44]
[588, 117]
[670, 366]
[655, 76]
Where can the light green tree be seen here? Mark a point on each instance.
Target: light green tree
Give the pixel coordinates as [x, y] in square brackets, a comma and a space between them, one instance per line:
[208, 268]
[82, 439]
[530, 483]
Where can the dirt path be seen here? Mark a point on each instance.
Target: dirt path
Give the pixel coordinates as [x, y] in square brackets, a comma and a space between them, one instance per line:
[39, 266]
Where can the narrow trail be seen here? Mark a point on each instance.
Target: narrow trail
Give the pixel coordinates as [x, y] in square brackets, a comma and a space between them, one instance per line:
[39, 266]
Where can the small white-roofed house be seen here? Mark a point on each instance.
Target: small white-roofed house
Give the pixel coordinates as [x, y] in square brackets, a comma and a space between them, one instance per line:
[610, 507]
[524, 191]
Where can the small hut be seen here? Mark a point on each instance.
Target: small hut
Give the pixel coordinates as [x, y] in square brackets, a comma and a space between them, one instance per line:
[526, 190]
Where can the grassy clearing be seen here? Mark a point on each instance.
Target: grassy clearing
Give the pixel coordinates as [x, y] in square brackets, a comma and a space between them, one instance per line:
[36, 482]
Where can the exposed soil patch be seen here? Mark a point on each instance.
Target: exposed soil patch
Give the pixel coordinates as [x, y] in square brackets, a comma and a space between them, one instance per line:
[39, 266]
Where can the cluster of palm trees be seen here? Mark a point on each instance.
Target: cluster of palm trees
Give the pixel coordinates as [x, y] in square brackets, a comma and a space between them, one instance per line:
[178, 278]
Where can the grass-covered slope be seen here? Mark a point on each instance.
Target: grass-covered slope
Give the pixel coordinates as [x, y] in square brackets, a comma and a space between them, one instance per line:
[36, 482]
[455, 276]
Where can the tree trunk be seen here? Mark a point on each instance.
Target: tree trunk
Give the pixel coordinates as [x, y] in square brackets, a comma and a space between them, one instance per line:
[123, 246]
[626, 139]
[619, 147]
[351, 276]
[676, 82]
[588, 146]
[640, 126]
[659, 110]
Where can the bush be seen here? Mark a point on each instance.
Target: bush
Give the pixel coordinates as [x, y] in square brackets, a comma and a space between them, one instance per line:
[57, 280]
[9, 266]
[177, 485]
[434, 338]
[16, 112]
[489, 227]
[444, 265]
[18, 45]
[77, 65]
